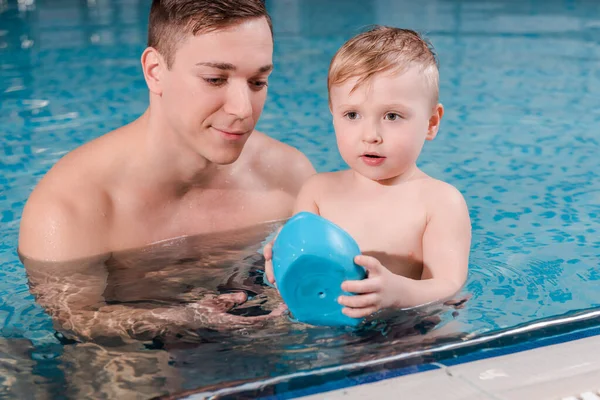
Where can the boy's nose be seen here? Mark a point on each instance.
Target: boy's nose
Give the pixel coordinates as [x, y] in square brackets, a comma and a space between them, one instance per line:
[371, 136]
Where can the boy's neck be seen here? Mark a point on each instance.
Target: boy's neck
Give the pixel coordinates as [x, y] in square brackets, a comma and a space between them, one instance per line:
[410, 174]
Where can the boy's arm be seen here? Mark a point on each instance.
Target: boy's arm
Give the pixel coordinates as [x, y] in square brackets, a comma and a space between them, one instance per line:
[446, 246]
[447, 242]
[306, 201]
[307, 198]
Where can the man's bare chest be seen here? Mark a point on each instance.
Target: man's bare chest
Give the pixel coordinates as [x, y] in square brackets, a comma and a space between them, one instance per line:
[211, 212]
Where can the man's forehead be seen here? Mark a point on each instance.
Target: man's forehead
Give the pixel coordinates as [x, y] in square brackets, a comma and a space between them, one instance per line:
[228, 49]
[225, 66]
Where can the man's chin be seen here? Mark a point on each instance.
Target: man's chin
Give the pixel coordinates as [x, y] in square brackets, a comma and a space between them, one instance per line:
[226, 158]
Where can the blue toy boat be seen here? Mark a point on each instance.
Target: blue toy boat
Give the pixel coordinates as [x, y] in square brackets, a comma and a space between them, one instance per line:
[311, 258]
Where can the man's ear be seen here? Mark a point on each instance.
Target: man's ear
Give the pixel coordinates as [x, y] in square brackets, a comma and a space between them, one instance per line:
[434, 121]
[153, 66]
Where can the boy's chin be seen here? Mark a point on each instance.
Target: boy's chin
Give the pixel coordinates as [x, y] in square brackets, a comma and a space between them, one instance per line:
[383, 177]
[377, 176]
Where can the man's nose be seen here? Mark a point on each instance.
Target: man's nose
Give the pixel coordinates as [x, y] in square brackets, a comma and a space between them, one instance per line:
[238, 102]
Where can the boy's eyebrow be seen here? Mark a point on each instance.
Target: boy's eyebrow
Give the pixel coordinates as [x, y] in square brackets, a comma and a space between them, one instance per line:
[398, 105]
[388, 107]
[231, 67]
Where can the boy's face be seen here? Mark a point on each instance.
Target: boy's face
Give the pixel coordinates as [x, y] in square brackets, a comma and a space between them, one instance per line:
[382, 125]
[216, 88]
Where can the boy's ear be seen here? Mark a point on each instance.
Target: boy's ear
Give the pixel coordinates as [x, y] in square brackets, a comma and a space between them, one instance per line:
[152, 66]
[434, 121]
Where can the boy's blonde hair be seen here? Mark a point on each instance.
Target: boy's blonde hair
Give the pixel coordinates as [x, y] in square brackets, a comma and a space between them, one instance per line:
[382, 49]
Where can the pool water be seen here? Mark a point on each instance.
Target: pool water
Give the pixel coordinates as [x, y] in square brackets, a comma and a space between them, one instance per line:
[519, 139]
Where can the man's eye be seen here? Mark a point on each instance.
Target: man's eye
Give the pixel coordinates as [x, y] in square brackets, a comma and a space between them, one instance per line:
[259, 84]
[215, 81]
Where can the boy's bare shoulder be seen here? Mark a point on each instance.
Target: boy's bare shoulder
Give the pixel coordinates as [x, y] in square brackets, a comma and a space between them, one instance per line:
[439, 193]
[326, 179]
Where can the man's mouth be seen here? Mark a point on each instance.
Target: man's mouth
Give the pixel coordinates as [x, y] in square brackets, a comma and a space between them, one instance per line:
[231, 132]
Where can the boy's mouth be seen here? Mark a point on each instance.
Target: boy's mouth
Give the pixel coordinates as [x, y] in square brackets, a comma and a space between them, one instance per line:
[372, 155]
[372, 159]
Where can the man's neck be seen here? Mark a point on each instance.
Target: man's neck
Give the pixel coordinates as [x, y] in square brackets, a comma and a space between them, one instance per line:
[168, 163]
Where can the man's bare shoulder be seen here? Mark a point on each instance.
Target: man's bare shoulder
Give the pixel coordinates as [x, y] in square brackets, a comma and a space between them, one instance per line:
[280, 163]
[67, 212]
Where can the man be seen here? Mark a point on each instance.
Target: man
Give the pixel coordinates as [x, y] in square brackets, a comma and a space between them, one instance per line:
[191, 164]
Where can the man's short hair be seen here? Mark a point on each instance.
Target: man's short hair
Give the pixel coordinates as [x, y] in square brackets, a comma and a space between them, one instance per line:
[172, 20]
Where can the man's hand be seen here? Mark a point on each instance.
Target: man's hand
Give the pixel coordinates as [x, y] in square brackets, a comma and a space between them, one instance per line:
[212, 312]
[379, 290]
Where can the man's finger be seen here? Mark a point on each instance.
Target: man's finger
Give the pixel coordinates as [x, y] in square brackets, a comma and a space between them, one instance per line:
[236, 297]
[222, 303]
[224, 321]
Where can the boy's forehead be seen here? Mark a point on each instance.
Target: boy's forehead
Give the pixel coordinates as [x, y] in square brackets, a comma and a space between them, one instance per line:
[387, 85]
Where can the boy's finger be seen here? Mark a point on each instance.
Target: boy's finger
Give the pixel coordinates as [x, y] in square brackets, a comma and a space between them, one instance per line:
[372, 265]
[269, 271]
[361, 301]
[359, 312]
[368, 285]
[268, 251]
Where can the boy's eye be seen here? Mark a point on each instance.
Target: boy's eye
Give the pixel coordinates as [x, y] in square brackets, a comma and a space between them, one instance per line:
[215, 81]
[351, 115]
[392, 116]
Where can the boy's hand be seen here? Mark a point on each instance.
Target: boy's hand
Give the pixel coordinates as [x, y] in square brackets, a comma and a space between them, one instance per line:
[377, 291]
[268, 254]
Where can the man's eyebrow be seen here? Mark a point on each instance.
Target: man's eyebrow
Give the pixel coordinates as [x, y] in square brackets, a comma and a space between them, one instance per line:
[218, 65]
[231, 67]
[266, 68]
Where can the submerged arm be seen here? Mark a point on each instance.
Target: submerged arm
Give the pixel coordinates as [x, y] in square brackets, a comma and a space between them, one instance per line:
[71, 288]
[72, 293]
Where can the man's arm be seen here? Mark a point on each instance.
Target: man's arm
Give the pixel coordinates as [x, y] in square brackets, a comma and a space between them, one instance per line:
[56, 229]
[70, 288]
[72, 294]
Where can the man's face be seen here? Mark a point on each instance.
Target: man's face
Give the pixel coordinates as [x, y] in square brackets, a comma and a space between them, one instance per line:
[216, 88]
